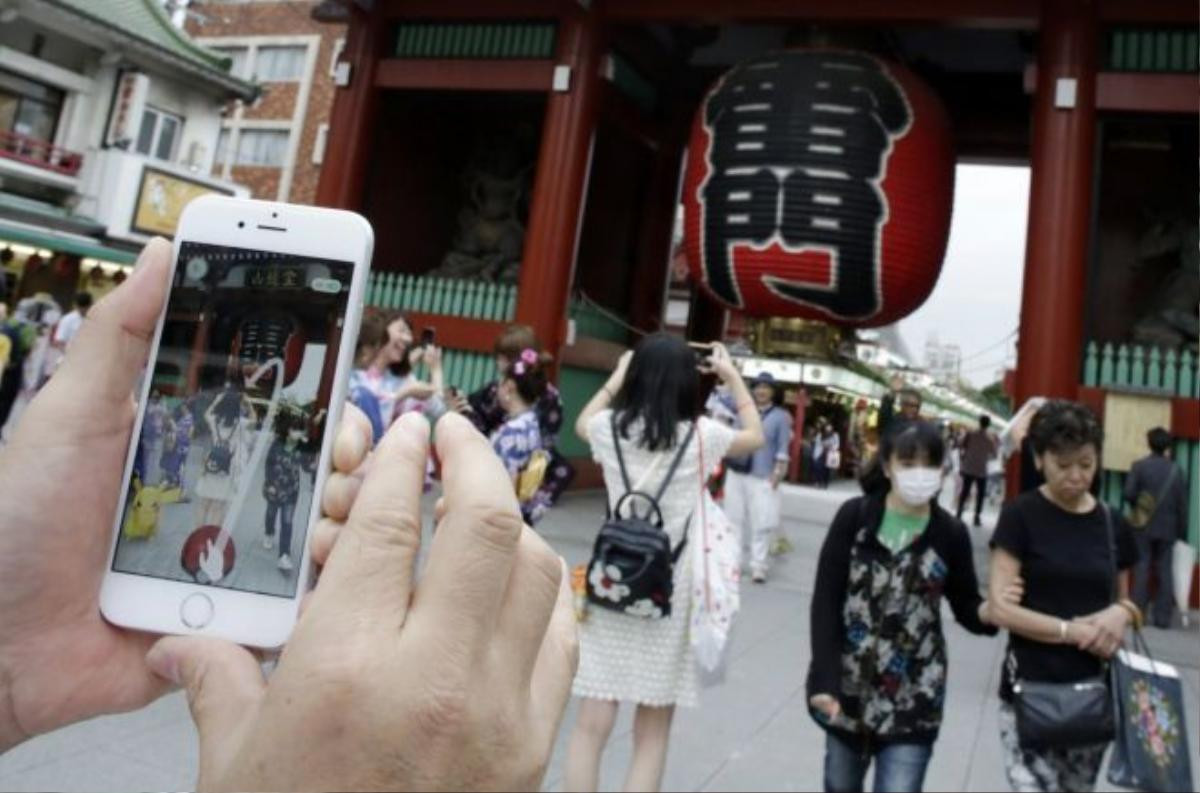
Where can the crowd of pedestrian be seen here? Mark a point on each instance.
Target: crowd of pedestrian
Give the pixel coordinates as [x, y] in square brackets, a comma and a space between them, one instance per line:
[452, 683]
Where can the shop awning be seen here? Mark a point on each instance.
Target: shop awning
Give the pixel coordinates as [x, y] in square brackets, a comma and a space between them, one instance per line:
[62, 242]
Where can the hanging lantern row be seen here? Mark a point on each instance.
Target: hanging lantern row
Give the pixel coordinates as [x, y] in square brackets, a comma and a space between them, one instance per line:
[819, 184]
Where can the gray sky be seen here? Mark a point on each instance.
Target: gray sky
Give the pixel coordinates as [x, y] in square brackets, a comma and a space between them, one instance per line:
[977, 301]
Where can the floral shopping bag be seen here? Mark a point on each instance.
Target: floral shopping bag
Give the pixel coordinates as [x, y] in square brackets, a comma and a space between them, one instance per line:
[1151, 751]
[716, 573]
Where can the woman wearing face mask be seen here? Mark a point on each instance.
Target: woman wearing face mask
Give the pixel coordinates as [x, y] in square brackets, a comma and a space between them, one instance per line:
[877, 681]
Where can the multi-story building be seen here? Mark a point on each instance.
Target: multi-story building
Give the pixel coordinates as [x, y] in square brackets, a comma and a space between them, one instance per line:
[109, 122]
[276, 144]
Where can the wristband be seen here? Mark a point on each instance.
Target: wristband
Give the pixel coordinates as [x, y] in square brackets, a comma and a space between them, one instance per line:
[1062, 631]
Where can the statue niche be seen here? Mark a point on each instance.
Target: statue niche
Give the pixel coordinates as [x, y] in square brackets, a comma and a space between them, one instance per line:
[491, 224]
[1170, 317]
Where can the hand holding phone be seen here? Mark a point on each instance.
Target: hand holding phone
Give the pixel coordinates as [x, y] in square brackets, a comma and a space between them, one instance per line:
[521, 638]
[58, 517]
[212, 542]
[427, 336]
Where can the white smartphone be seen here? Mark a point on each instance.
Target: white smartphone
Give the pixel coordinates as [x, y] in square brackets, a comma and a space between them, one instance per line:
[237, 413]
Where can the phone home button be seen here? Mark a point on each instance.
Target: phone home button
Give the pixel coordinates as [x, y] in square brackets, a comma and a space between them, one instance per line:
[196, 611]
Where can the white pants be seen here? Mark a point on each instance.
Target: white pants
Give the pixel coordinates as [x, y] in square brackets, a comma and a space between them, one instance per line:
[752, 504]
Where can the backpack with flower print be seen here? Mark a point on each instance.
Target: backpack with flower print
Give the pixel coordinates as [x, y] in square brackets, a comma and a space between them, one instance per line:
[633, 563]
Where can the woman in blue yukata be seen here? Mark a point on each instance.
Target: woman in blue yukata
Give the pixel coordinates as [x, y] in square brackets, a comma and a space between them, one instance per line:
[519, 438]
[484, 408]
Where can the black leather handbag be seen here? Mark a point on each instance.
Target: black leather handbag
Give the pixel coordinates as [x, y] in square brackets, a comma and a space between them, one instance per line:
[1060, 715]
[633, 564]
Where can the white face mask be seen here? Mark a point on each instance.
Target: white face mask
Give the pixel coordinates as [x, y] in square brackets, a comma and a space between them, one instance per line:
[917, 486]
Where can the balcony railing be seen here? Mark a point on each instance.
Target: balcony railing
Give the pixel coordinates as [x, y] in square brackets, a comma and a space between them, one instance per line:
[39, 153]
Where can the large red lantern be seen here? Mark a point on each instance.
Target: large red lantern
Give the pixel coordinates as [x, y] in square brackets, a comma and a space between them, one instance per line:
[819, 184]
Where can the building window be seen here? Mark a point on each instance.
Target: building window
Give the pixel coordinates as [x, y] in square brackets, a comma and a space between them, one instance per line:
[239, 60]
[158, 137]
[280, 64]
[262, 147]
[28, 108]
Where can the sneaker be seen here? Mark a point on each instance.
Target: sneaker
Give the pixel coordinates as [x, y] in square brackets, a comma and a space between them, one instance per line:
[285, 563]
[268, 542]
[759, 578]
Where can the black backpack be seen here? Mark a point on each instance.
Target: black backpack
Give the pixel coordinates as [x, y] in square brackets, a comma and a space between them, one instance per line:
[632, 567]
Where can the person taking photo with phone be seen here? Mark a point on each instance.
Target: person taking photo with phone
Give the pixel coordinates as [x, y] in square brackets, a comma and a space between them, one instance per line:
[644, 426]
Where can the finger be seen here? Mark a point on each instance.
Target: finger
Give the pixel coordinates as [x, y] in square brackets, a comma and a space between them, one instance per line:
[353, 440]
[223, 681]
[557, 660]
[325, 535]
[529, 601]
[371, 564]
[439, 510]
[108, 354]
[475, 545]
[340, 492]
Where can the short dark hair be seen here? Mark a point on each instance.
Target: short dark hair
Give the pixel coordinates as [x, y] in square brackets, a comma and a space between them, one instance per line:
[1064, 426]
[910, 438]
[1159, 440]
[906, 439]
[985, 422]
[662, 388]
[910, 393]
[83, 300]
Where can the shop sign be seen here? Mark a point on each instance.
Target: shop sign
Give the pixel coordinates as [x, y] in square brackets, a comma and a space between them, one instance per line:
[129, 103]
[161, 199]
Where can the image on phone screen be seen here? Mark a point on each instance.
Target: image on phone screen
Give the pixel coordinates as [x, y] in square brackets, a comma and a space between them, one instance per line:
[224, 467]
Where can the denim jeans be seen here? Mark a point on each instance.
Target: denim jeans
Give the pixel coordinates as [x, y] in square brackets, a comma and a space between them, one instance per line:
[899, 767]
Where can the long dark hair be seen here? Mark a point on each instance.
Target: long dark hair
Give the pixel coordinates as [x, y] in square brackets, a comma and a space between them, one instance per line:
[906, 440]
[662, 388]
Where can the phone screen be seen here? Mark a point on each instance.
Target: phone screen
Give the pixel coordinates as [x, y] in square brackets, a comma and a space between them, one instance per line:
[223, 475]
[427, 337]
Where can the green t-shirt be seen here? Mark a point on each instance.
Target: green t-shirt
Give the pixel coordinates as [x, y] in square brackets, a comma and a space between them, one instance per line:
[899, 530]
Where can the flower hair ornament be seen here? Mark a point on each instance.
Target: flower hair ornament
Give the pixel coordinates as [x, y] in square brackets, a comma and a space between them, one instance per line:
[527, 361]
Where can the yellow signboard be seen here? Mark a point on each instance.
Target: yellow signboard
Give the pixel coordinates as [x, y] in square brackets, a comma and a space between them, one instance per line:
[1127, 419]
[161, 200]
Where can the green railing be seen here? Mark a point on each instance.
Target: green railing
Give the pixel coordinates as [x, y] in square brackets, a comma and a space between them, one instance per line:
[451, 297]
[1163, 50]
[1127, 367]
[468, 370]
[475, 40]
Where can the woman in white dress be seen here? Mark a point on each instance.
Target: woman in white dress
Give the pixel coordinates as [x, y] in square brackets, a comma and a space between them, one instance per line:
[222, 466]
[655, 394]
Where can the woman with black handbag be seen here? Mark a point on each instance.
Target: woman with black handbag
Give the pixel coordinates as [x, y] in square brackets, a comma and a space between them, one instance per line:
[634, 641]
[1056, 717]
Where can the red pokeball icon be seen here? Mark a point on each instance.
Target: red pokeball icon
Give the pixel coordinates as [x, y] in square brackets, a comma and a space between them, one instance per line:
[197, 546]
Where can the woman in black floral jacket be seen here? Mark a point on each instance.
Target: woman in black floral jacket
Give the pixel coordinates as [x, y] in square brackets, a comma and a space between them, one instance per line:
[483, 408]
[877, 683]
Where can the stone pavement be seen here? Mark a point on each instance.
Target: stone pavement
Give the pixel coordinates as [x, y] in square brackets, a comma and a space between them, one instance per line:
[751, 733]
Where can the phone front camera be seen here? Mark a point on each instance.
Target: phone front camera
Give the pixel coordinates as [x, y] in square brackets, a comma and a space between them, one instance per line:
[241, 224]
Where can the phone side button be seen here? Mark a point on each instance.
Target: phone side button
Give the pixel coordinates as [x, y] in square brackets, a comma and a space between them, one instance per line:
[196, 611]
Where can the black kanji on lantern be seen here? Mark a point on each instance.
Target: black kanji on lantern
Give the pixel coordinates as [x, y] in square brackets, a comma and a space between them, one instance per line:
[799, 140]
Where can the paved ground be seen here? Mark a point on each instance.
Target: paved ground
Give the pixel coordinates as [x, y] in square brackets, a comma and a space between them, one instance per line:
[750, 733]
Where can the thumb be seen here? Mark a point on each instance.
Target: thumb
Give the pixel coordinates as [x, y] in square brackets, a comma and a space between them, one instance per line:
[111, 348]
[223, 682]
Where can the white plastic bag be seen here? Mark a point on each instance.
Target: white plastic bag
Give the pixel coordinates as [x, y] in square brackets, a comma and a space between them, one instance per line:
[716, 573]
[1183, 561]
